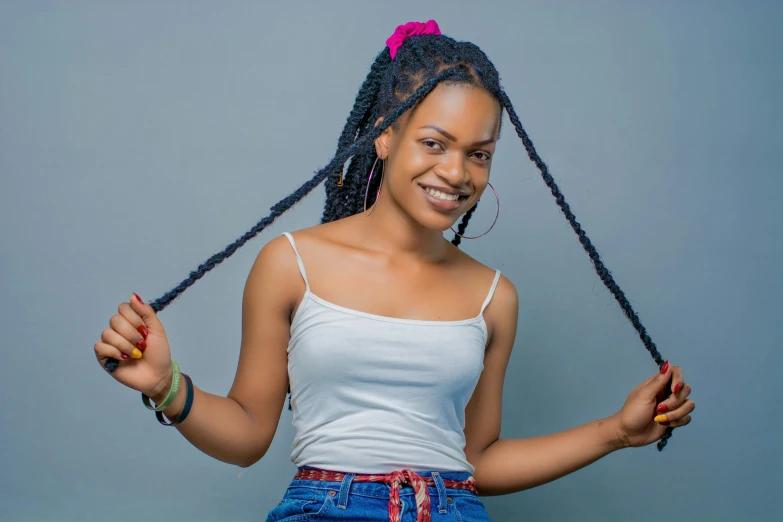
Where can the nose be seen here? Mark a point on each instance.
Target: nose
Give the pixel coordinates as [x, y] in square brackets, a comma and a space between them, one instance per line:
[453, 170]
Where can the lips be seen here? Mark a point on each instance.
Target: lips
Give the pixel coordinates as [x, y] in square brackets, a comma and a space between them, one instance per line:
[442, 205]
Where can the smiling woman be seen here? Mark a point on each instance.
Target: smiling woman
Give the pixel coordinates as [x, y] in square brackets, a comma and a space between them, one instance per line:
[392, 342]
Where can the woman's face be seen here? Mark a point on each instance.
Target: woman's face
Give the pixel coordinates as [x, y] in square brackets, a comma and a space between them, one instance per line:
[438, 159]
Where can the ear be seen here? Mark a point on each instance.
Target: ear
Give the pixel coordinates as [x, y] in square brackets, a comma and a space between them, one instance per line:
[382, 142]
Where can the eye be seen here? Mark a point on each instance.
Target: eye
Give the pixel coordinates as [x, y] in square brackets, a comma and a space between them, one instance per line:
[431, 144]
[483, 156]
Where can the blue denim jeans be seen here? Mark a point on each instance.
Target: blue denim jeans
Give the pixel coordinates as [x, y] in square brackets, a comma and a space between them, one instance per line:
[317, 501]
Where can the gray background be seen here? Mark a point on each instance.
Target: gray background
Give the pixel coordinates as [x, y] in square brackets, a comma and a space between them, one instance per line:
[138, 138]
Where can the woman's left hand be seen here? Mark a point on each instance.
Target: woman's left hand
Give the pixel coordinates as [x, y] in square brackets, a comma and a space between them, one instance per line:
[645, 416]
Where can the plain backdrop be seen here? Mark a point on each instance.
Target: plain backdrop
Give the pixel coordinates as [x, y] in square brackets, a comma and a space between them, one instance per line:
[139, 138]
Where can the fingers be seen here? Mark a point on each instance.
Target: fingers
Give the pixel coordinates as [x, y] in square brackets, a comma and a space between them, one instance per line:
[139, 336]
[126, 329]
[677, 417]
[655, 385]
[675, 400]
[678, 379]
[103, 351]
[147, 314]
[126, 337]
[111, 337]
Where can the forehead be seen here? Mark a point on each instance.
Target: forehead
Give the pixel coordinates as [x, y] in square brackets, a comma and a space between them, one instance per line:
[464, 110]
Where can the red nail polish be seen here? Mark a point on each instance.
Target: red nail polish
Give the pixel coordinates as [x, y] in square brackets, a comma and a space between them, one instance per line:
[124, 357]
[141, 345]
[137, 297]
[677, 387]
[665, 367]
[662, 408]
[143, 331]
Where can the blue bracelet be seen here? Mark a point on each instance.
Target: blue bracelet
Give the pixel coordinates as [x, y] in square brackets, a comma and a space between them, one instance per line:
[185, 410]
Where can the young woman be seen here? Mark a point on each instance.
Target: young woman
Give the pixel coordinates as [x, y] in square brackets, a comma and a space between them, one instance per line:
[393, 341]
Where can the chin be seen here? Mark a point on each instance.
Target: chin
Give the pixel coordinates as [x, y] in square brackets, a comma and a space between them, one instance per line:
[435, 225]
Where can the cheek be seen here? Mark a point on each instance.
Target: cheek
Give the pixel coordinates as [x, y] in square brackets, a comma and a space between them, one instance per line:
[415, 160]
[482, 190]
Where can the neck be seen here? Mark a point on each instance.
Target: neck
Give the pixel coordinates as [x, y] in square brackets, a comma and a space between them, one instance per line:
[387, 228]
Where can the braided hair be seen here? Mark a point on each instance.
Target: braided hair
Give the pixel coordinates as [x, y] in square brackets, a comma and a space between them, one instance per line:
[392, 87]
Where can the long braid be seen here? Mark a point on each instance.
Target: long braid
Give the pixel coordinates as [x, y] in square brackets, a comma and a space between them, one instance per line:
[600, 268]
[286, 203]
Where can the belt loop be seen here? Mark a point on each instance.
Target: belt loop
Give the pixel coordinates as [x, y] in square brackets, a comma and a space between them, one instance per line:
[441, 492]
[345, 487]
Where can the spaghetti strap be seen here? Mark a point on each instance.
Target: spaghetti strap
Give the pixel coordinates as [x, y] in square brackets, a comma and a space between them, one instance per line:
[298, 260]
[491, 291]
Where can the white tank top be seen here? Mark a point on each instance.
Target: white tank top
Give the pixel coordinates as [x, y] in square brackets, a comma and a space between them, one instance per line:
[374, 394]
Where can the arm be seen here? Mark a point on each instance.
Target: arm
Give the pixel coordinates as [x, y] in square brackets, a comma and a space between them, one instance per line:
[239, 428]
[510, 465]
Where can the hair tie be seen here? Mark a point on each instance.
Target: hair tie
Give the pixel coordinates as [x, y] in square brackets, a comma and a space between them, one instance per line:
[410, 29]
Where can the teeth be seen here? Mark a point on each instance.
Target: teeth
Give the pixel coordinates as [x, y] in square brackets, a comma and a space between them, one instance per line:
[440, 195]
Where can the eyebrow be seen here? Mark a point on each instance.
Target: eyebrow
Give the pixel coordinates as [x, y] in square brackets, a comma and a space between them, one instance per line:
[452, 138]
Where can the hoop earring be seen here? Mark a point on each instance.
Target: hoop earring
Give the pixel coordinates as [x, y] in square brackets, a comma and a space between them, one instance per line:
[367, 192]
[493, 223]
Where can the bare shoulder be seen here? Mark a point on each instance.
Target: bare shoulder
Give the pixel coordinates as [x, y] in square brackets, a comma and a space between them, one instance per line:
[504, 308]
[276, 270]
[502, 311]
[276, 257]
[473, 268]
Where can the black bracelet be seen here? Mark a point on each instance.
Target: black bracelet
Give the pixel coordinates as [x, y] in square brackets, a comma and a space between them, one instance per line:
[185, 410]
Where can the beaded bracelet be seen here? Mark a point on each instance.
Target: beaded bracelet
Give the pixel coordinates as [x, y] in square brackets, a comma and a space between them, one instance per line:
[185, 409]
[172, 392]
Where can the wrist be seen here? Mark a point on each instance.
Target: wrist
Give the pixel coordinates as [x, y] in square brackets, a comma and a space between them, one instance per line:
[161, 390]
[616, 438]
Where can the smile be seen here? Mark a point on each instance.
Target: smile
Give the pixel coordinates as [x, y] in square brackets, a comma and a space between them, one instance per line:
[441, 195]
[441, 200]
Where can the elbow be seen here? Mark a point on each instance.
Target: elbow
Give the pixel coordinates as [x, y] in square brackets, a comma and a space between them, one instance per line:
[251, 458]
[248, 461]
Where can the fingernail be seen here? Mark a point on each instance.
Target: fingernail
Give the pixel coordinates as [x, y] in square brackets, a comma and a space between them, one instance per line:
[136, 353]
[137, 297]
[661, 418]
[665, 367]
[124, 356]
[141, 345]
[662, 408]
[677, 387]
[143, 331]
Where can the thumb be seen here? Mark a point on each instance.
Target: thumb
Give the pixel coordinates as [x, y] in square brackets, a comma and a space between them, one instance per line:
[147, 314]
[657, 383]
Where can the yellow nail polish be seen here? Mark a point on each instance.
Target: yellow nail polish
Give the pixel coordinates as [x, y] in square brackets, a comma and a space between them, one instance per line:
[661, 418]
[136, 354]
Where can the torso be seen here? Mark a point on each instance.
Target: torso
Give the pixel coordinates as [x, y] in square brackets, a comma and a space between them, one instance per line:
[385, 350]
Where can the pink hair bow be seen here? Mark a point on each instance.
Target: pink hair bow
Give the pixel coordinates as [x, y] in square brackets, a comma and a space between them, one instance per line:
[410, 29]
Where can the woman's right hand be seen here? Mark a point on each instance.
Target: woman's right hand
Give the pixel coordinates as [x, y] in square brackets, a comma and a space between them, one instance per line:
[136, 338]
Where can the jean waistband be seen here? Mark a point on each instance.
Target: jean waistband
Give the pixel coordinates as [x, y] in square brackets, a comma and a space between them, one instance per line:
[456, 481]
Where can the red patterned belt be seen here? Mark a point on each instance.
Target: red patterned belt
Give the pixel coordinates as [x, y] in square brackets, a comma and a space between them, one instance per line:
[395, 479]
